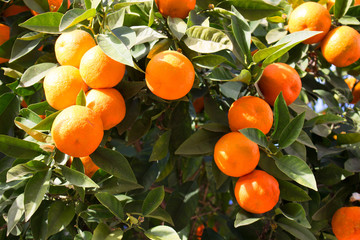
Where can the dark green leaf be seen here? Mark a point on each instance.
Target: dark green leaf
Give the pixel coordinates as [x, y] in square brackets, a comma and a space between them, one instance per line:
[116, 185]
[242, 219]
[348, 138]
[101, 232]
[111, 203]
[295, 212]
[291, 192]
[39, 221]
[21, 170]
[115, 235]
[306, 140]
[35, 190]
[324, 119]
[211, 108]
[341, 7]
[297, 170]
[281, 116]
[267, 164]
[21, 48]
[9, 109]
[114, 163]
[209, 61]
[153, 200]
[295, 229]
[75, 16]
[15, 213]
[46, 22]
[77, 178]
[59, 216]
[35, 73]
[256, 136]
[140, 128]
[215, 127]
[18, 148]
[38, 6]
[332, 174]
[161, 147]
[291, 131]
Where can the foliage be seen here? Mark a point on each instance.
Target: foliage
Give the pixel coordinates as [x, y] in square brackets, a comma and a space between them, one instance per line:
[158, 179]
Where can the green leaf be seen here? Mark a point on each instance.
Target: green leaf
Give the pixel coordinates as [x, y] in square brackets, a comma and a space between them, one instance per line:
[215, 127]
[39, 136]
[295, 212]
[291, 131]
[265, 52]
[306, 140]
[295, 229]
[332, 174]
[15, 213]
[115, 19]
[347, 138]
[21, 48]
[75, 16]
[129, 3]
[153, 200]
[81, 98]
[146, 34]
[341, 7]
[256, 136]
[212, 109]
[116, 235]
[115, 49]
[252, 10]
[201, 142]
[18, 148]
[21, 170]
[111, 203]
[291, 192]
[297, 169]
[126, 35]
[115, 185]
[114, 163]
[35, 73]
[177, 27]
[207, 39]
[209, 61]
[77, 178]
[324, 119]
[39, 220]
[9, 109]
[46, 23]
[59, 216]
[242, 34]
[281, 116]
[31, 36]
[101, 232]
[162, 233]
[47, 122]
[275, 35]
[35, 190]
[267, 164]
[242, 219]
[85, 235]
[39, 6]
[161, 147]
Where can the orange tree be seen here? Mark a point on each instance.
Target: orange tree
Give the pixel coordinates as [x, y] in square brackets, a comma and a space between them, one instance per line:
[153, 174]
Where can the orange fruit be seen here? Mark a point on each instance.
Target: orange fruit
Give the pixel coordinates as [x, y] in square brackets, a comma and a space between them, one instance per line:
[62, 85]
[175, 8]
[257, 192]
[310, 16]
[329, 4]
[89, 166]
[250, 112]
[108, 104]
[235, 155]
[54, 6]
[280, 77]
[170, 75]
[355, 88]
[4, 36]
[198, 104]
[77, 131]
[71, 46]
[346, 223]
[99, 70]
[341, 46]
[13, 10]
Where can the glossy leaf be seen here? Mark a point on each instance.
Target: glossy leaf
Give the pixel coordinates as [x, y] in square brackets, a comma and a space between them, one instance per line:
[291, 192]
[46, 22]
[77, 178]
[161, 147]
[21, 48]
[295, 229]
[243, 219]
[256, 136]
[18, 148]
[9, 109]
[35, 73]
[295, 212]
[75, 16]
[111, 203]
[153, 200]
[291, 131]
[177, 27]
[16, 211]
[59, 216]
[281, 116]
[162, 233]
[341, 7]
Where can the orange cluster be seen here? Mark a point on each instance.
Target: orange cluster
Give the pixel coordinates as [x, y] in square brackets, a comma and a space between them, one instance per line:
[339, 46]
[235, 155]
[78, 130]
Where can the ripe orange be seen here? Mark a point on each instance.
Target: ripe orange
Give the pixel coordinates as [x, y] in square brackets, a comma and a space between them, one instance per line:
[346, 223]
[71, 46]
[89, 166]
[341, 46]
[310, 16]
[170, 75]
[99, 70]
[13, 10]
[108, 104]
[280, 77]
[257, 192]
[62, 85]
[235, 155]
[4, 36]
[175, 8]
[355, 88]
[77, 131]
[54, 5]
[250, 112]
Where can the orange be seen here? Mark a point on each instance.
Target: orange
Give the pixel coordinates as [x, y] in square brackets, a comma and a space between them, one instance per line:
[14, 10]
[354, 87]
[250, 112]
[108, 104]
[4, 36]
[54, 6]
[170, 75]
[346, 223]
[198, 104]
[89, 166]
[280, 77]
[175, 8]
[257, 192]
[310, 16]
[341, 46]
[71, 46]
[235, 155]
[62, 85]
[77, 131]
[329, 4]
[99, 70]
